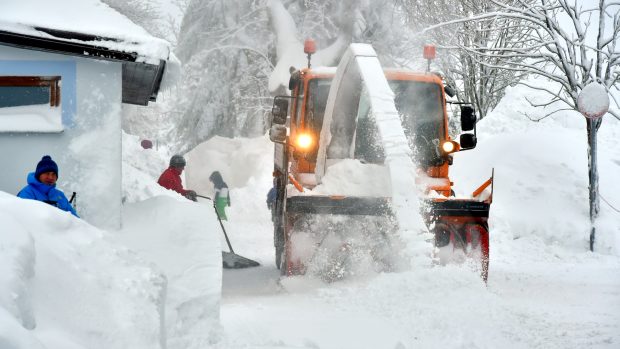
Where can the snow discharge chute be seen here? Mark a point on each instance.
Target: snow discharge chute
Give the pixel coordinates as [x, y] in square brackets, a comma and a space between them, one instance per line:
[359, 91]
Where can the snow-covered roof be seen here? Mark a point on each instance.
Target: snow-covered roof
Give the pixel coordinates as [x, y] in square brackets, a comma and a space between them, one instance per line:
[89, 28]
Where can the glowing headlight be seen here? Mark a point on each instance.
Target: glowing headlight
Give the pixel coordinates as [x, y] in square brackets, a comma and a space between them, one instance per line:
[304, 141]
[448, 147]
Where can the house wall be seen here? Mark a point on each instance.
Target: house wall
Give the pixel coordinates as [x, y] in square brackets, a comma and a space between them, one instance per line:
[88, 150]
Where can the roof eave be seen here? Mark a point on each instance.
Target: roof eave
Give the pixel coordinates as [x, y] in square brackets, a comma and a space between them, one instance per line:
[141, 81]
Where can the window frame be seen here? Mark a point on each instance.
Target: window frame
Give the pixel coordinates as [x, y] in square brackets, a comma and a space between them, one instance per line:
[53, 82]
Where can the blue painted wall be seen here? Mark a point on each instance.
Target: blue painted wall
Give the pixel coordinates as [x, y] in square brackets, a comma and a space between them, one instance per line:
[65, 69]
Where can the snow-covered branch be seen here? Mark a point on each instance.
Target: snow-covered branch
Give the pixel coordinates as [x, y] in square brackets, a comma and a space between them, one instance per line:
[547, 46]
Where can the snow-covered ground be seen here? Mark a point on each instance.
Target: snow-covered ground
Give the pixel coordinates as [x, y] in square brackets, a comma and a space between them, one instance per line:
[65, 284]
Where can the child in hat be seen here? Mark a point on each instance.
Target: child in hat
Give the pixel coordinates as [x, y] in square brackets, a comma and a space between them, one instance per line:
[221, 198]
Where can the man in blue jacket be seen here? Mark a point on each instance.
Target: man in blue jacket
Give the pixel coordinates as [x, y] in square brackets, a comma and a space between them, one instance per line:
[42, 186]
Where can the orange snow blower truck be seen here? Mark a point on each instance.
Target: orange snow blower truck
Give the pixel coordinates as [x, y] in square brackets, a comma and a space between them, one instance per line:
[459, 225]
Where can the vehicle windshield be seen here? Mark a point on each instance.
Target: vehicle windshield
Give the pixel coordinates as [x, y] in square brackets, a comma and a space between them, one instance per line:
[421, 112]
[420, 107]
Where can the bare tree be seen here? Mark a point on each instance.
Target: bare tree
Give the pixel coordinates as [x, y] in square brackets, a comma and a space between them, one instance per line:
[479, 79]
[557, 34]
[141, 12]
[225, 47]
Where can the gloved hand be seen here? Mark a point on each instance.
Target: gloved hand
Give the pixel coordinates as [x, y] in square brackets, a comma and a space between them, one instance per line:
[191, 195]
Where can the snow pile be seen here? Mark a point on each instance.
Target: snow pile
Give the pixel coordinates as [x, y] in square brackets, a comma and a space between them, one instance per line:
[66, 285]
[180, 237]
[183, 239]
[141, 170]
[541, 174]
[32, 118]
[240, 161]
[246, 165]
[352, 178]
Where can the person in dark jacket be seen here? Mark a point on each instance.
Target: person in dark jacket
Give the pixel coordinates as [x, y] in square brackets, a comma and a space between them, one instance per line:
[171, 178]
[42, 186]
[221, 198]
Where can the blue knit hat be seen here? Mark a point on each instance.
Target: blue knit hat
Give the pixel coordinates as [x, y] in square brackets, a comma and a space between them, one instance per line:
[46, 165]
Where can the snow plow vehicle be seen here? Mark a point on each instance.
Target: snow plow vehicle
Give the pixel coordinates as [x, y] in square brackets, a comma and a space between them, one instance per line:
[325, 127]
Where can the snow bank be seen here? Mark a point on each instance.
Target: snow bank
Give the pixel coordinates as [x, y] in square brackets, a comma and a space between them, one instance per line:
[181, 238]
[239, 160]
[541, 174]
[246, 164]
[141, 170]
[31, 118]
[66, 285]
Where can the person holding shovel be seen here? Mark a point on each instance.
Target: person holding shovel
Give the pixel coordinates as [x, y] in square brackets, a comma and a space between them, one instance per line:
[171, 178]
[221, 199]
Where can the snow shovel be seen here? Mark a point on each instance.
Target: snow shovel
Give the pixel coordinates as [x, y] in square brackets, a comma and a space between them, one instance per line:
[231, 260]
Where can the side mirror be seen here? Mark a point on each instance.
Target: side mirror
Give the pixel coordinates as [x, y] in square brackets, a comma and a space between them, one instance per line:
[468, 118]
[279, 110]
[468, 141]
[277, 133]
[449, 90]
[293, 81]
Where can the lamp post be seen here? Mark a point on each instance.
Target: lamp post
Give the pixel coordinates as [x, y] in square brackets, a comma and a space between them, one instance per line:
[593, 103]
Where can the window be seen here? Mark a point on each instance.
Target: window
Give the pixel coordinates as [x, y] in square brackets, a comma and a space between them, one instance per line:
[30, 104]
[420, 106]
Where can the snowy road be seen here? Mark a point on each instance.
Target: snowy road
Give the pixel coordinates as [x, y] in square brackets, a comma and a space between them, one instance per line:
[538, 296]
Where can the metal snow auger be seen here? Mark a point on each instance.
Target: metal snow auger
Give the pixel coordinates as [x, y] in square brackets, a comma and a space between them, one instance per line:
[231, 260]
[322, 127]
